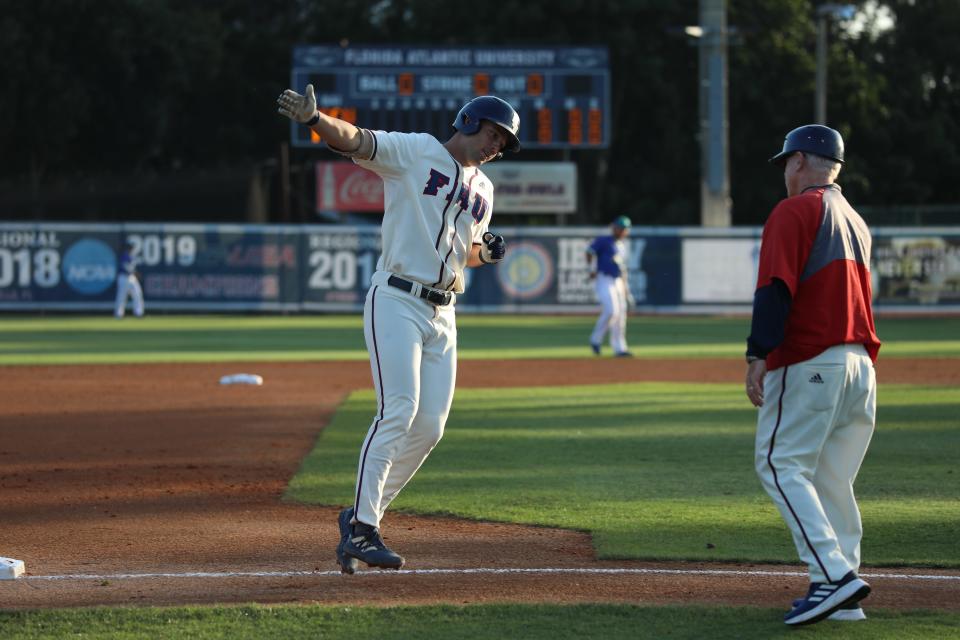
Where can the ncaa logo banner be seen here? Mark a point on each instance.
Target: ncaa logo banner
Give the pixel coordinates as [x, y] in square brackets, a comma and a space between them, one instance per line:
[58, 266]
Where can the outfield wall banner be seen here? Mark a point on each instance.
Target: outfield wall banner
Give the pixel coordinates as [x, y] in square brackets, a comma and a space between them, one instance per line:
[181, 267]
[546, 270]
[244, 267]
[327, 268]
[58, 266]
[719, 270]
[916, 268]
[337, 267]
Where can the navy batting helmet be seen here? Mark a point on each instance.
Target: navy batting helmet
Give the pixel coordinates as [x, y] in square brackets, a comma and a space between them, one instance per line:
[812, 138]
[496, 111]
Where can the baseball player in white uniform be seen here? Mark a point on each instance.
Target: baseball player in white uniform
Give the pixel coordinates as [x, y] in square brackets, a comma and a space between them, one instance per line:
[127, 285]
[437, 213]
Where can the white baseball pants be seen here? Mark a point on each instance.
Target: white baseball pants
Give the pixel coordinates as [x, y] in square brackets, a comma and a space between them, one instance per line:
[813, 431]
[612, 294]
[413, 358]
[128, 286]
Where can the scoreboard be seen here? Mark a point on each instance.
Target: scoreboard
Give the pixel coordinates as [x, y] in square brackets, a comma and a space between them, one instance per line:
[561, 93]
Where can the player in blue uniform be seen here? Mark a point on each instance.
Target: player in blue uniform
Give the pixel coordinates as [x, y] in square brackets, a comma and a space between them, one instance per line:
[610, 276]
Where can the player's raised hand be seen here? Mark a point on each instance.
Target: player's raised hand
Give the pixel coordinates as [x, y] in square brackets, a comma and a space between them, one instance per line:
[299, 108]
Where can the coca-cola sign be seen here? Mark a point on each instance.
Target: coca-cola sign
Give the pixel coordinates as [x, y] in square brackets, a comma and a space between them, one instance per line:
[344, 186]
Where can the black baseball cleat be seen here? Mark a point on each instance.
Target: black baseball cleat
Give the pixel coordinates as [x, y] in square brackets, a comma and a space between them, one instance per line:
[347, 564]
[624, 354]
[595, 348]
[366, 544]
[824, 598]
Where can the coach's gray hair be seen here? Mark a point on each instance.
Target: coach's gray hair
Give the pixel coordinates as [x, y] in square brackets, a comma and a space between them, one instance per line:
[826, 166]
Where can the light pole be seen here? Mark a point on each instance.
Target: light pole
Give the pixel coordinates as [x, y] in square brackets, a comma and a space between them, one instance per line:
[712, 33]
[825, 11]
[713, 36]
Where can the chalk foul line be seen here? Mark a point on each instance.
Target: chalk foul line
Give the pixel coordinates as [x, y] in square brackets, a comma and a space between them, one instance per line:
[473, 571]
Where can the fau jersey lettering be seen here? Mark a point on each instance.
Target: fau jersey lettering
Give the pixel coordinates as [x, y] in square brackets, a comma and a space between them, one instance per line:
[463, 198]
[436, 182]
[479, 208]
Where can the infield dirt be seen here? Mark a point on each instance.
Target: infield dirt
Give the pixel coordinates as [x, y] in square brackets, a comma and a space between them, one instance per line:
[158, 469]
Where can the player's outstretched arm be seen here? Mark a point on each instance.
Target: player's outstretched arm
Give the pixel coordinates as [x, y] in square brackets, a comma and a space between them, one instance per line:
[338, 134]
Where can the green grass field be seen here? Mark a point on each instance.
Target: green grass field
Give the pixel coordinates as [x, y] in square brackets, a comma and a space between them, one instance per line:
[652, 470]
[657, 470]
[85, 340]
[478, 622]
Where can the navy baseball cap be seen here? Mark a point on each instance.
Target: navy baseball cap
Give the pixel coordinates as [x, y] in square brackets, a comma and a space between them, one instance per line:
[623, 222]
[812, 138]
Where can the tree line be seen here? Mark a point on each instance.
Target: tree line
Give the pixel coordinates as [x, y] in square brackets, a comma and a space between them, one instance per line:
[133, 89]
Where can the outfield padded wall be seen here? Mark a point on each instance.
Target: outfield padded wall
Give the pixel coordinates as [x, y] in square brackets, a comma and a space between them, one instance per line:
[327, 268]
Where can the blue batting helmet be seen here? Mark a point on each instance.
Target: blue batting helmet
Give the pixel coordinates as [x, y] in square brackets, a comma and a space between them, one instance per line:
[496, 111]
[812, 138]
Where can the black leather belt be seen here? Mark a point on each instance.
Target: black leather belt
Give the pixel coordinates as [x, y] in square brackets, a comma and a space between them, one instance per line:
[439, 298]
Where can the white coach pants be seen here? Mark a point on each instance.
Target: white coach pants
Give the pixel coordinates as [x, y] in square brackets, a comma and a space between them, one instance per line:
[413, 358]
[612, 294]
[812, 434]
[128, 286]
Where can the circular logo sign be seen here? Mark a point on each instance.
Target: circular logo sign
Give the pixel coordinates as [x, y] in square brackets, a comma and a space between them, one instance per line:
[526, 271]
[89, 267]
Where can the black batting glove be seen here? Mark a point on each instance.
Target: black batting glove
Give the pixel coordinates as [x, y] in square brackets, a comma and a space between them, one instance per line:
[493, 248]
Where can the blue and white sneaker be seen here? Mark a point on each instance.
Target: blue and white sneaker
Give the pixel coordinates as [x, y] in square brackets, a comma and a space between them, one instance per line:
[824, 598]
[847, 613]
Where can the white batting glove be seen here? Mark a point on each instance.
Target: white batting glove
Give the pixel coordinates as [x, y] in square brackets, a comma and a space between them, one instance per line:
[302, 109]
